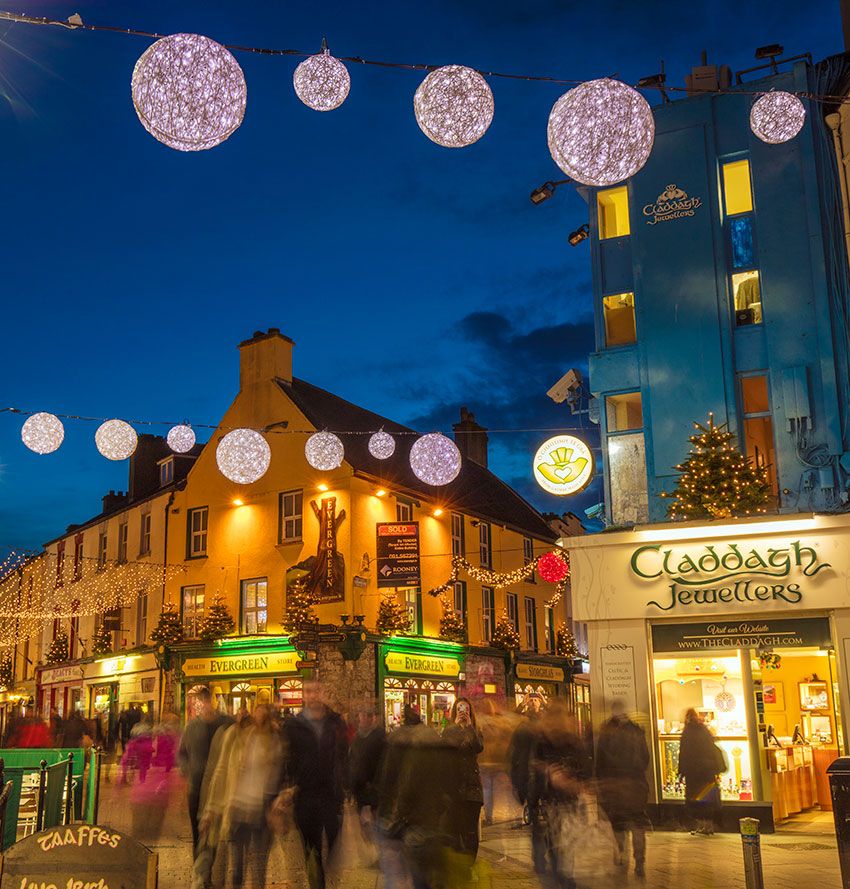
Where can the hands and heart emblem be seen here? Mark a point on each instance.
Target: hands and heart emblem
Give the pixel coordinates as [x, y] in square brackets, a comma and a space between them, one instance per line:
[562, 468]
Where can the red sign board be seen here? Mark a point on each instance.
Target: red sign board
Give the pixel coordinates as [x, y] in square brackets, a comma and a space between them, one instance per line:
[398, 554]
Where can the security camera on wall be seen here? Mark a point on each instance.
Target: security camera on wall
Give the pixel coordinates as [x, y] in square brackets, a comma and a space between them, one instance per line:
[569, 385]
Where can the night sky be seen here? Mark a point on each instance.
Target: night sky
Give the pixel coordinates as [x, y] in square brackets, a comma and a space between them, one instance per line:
[413, 278]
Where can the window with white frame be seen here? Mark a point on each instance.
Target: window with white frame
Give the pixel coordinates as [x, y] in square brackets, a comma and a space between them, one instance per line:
[512, 607]
[192, 598]
[290, 516]
[142, 617]
[122, 542]
[459, 599]
[530, 623]
[166, 472]
[198, 520]
[528, 557]
[488, 612]
[101, 549]
[255, 606]
[403, 511]
[145, 535]
[412, 602]
[485, 546]
[458, 541]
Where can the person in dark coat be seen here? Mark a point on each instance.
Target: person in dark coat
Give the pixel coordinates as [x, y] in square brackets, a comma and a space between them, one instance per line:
[622, 759]
[365, 760]
[463, 738]
[700, 762]
[317, 742]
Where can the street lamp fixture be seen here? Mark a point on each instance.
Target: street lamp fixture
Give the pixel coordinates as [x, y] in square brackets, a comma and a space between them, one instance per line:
[582, 233]
[544, 192]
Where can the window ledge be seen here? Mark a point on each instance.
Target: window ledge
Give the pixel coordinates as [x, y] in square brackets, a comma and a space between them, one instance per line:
[196, 557]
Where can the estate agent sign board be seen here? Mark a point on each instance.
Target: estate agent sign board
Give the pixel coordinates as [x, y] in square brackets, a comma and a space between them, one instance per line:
[397, 550]
[78, 856]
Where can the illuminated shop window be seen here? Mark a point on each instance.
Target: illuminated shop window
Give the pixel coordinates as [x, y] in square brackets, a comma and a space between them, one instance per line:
[746, 288]
[613, 206]
[758, 425]
[619, 312]
[737, 190]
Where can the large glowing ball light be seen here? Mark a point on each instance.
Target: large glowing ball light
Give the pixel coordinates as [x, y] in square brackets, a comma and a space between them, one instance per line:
[601, 132]
[324, 451]
[189, 92]
[454, 106]
[181, 438]
[552, 568]
[381, 445]
[42, 433]
[322, 82]
[243, 456]
[435, 459]
[116, 440]
[777, 117]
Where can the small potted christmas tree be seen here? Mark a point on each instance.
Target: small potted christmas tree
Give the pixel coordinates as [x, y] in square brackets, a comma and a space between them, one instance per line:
[218, 621]
[58, 651]
[505, 634]
[299, 606]
[7, 673]
[392, 617]
[452, 623]
[169, 629]
[565, 643]
[101, 641]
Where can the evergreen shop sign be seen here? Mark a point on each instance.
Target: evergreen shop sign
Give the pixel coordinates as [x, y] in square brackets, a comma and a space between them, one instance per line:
[718, 574]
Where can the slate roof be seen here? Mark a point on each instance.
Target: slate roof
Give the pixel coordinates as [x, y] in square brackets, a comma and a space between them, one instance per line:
[476, 491]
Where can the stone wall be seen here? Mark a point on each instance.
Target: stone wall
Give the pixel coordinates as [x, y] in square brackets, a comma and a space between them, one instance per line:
[347, 683]
[485, 667]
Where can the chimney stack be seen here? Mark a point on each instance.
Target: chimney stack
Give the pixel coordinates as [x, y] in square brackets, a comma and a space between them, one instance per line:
[471, 438]
[265, 357]
[113, 501]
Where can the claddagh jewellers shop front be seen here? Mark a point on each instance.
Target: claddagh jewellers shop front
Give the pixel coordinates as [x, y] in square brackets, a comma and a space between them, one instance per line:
[748, 624]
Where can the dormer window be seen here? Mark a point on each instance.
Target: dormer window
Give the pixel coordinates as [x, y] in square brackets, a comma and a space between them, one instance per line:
[166, 472]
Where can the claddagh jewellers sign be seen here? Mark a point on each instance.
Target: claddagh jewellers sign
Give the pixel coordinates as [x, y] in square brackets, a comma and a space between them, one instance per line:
[730, 574]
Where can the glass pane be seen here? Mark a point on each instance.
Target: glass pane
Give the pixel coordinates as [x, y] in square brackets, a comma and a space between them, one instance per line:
[624, 412]
[746, 288]
[741, 235]
[754, 395]
[262, 589]
[613, 204]
[619, 312]
[758, 440]
[627, 474]
[737, 192]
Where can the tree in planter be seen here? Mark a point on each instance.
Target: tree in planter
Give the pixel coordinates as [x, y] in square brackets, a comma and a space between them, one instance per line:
[452, 624]
[7, 673]
[58, 651]
[505, 634]
[565, 643]
[101, 641]
[717, 481]
[168, 629]
[392, 616]
[217, 622]
[299, 605]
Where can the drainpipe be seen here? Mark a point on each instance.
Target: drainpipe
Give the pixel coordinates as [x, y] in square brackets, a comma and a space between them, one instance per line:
[834, 122]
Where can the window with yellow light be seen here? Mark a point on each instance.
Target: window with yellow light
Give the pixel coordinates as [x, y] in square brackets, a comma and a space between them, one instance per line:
[613, 208]
[737, 189]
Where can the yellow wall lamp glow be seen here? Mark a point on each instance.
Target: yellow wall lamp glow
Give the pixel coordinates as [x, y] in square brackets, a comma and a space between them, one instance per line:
[563, 465]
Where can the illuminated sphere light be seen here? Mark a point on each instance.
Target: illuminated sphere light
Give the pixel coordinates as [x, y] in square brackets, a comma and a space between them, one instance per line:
[381, 445]
[435, 459]
[243, 456]
[181, 438]
[552, 568]
[322, 82]
[324, 451]
[454, 106]
[777, 117]
[601, 132]
[189, 92]
[116, 440]
[43, 433]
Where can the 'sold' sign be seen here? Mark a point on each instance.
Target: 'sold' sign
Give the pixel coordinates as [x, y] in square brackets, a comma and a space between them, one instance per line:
[398, 554]
[78, 856]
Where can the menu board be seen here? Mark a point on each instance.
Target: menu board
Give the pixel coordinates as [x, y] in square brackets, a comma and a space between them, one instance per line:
[617, 670]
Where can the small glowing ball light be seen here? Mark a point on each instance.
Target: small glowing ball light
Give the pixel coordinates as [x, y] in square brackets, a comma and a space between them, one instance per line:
[116, 440]
[243, 456]
[322, 82]
[324, 451]
[43, 433]
[381, 445]
[601, 132]
[454, 106]
[552, 568]
[189, 92]
[435, 459]
[777, 117]
[181, 439]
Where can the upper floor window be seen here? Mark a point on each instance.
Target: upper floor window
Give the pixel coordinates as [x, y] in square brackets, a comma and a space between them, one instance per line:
[291, 516]
[485, 545]
[255, 606]
[193, 609]
[142, 617]
[618, 311]
[488, 612]
[549, 628]
[624, 412]
[145, 535]
[528, 557]
[458, 537]
[627, 482]
[737, 190]
[413, 604]
[403, 511]
[530, 623]
[758, 424]
[613, 208]
[122, 542]
[101, 549]
[512, 607]
[78, 557]
[166, 471]
[741, 249]
[459, 599]
[197, 526]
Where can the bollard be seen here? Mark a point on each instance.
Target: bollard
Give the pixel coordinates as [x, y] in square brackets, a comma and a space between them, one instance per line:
[751, 843]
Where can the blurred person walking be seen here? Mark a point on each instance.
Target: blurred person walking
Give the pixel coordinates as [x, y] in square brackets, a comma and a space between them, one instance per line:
[622, 759]
[700, 762]
[365, 761]
[464, 740]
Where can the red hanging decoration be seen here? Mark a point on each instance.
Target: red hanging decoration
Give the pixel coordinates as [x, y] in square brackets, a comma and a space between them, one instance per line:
[552, 568]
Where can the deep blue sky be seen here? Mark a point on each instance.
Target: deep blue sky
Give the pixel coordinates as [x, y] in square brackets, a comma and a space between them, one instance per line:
[413, 278]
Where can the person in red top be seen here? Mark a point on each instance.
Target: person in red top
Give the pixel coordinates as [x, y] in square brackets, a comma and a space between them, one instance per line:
[31, 733]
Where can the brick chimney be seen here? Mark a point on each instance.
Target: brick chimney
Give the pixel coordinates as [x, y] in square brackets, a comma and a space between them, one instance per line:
[265, 356]
[144, 470]
[471, 438]
[113, 501]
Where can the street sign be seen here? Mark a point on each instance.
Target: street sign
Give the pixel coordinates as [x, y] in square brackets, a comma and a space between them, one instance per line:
[398, 554]
[307, 665]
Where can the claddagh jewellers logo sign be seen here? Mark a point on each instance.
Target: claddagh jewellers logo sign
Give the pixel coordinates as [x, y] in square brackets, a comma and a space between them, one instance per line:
[728, 573]
[672, 203]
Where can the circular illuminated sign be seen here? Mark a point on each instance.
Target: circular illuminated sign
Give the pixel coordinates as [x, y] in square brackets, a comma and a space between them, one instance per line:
[563, 465]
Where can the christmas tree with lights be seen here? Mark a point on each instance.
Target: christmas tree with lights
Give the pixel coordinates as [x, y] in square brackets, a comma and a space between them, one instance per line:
[168, 629]
[392, 616]
[101, 641]
[452, 624]
[217, 622]
[7, 673]
[565, 643]
[505, 634]
[299, 606]
[58, 651]
[717, 481]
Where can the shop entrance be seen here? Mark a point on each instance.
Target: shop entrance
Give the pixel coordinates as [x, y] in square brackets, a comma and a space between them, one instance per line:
[244, 694]
[432, 699]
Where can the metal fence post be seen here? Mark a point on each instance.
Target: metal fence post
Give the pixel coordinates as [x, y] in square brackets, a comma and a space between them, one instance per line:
[69, 791]
[751, 843]
[42, 789]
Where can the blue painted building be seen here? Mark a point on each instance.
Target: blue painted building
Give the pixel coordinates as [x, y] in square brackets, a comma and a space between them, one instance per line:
[720, 282]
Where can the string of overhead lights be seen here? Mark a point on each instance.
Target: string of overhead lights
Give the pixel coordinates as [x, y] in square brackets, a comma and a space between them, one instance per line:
[189, 93]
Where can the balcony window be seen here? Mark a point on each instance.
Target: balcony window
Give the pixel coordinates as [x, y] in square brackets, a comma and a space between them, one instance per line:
[613, 207]
[619, 312]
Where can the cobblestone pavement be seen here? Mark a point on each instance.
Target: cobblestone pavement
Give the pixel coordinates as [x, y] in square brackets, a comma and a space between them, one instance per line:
[800, 856]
